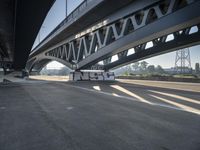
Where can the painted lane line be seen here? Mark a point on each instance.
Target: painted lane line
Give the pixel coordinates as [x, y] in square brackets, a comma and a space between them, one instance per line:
[177, 96]
[183, 107]
[114, 94]
[105, 93]
[128, 98]
[130, 93]
[168, 85]
[97, 88]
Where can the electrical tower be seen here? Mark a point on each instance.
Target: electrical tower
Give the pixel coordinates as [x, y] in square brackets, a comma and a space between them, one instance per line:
[182, 61]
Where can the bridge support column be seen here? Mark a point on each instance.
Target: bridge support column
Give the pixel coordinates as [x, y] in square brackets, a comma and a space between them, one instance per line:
[4, 71]
[91, 76]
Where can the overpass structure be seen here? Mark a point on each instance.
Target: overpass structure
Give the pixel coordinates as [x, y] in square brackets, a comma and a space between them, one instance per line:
[132, 30]
[19, 24]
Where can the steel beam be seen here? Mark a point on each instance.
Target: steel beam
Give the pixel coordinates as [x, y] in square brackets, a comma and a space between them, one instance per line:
[179, 42]
[176, 21]
[133, 30]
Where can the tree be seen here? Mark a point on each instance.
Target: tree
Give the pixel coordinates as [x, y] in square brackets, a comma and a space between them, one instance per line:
[151, 68]
[159, 69]
[128, 68]
[135, 66]
[126, 73]
[143, 65]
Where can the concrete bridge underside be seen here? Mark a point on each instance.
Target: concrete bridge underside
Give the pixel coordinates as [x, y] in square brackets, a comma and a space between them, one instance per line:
[19, 24]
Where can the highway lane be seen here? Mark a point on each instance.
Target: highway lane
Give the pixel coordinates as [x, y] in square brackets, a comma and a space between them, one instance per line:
[186, 86]
[97, 115]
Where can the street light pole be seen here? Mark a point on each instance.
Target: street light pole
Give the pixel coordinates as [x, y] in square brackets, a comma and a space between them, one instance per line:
[66, 9]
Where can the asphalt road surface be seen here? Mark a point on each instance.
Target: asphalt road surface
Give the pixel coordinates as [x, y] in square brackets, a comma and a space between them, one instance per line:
[98, 116]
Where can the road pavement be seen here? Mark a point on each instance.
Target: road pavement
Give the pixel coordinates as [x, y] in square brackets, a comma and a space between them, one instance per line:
[97, 116]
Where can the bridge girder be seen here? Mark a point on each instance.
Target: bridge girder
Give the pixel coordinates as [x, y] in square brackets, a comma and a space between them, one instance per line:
[19, 25]
[181, 39]
[134, 30]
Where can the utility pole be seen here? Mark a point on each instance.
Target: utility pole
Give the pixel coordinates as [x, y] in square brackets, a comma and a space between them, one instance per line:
[197, 68]
[182, 61]
[66, 9]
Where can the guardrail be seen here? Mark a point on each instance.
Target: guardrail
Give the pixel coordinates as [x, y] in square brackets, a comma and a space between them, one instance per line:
[68, 19]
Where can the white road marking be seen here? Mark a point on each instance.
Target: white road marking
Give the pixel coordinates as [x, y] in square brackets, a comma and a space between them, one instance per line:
[184, 107]
[2, 107]
[69, 108]
[105, 93]
[114, 94]
[97, 88]
[126, 97]
[177, 96]
[130, 93]
[168, 85]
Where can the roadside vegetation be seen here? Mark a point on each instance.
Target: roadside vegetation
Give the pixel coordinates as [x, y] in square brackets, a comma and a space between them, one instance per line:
[143, 70]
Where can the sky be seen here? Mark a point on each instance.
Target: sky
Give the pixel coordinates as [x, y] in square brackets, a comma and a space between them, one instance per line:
[168, 60]
[58, 12]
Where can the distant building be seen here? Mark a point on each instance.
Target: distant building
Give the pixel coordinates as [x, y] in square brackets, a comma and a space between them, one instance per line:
[178, 70]
[169, 70]
[182, 70]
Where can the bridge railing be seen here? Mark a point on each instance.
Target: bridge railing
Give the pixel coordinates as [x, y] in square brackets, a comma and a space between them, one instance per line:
[68, 19]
